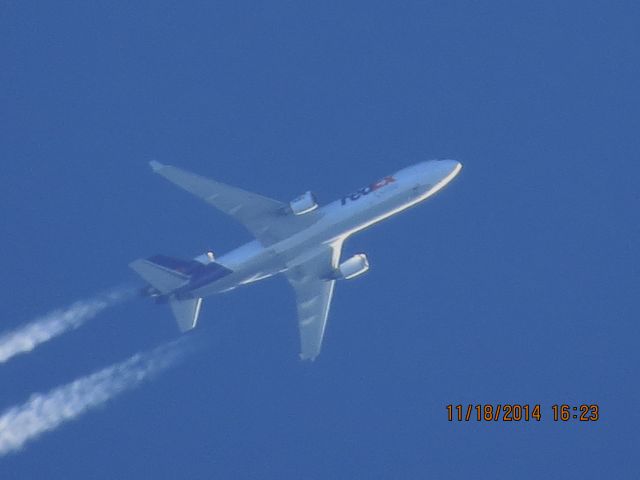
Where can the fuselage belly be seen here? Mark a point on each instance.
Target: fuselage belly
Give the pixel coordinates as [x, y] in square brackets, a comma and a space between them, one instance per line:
[337, 221]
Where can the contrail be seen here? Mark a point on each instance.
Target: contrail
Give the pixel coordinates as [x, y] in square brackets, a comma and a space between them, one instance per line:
[46, 411]
[26, 338]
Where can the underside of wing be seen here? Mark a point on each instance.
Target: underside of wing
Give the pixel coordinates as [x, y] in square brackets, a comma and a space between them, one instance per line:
[268, 220]
[314, 290]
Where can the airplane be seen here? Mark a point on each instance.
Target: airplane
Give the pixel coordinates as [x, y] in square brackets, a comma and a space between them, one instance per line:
[298, 239]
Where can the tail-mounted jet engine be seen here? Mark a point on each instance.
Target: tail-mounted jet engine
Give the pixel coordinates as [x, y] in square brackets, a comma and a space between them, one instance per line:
[305, 203]
[353, 267]
[206, 258]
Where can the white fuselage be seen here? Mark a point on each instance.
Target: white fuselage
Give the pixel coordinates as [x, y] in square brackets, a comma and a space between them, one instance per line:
[337, 221]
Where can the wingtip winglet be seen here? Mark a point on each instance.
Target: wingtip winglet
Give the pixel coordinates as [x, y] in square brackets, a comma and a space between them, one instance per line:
[306, 357]
[155, 165]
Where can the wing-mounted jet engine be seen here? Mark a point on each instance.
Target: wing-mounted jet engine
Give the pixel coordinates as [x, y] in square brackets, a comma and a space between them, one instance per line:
[305, 203]
[353, 267]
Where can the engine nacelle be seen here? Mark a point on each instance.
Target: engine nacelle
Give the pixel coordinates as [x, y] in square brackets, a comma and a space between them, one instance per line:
[305, 203]
[356, 265]
[206, 258]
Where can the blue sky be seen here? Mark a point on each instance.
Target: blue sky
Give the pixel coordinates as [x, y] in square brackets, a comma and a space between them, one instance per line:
[518, 283]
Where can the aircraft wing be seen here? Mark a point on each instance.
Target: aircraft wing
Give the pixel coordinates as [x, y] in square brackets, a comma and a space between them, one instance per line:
[265, 218]
[313, 295]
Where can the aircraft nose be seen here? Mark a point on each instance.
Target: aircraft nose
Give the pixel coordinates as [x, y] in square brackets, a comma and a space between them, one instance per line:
[450, 165]
[449, 168]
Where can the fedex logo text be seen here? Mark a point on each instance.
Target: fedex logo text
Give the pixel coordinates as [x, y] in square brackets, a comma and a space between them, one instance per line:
[367, 190]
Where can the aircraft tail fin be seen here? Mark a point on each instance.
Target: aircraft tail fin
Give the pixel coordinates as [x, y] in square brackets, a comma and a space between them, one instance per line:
[186, 312]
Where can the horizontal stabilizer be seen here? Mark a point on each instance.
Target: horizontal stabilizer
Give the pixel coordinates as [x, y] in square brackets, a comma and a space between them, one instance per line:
[186, 312]
[184, 267]
[166, 275]
[158, 276]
